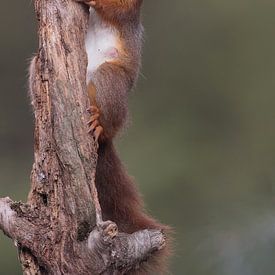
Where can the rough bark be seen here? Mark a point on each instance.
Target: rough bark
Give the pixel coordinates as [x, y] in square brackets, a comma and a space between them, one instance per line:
[60, 229]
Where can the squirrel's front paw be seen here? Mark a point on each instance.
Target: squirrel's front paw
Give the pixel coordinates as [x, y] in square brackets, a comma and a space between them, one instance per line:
[92, 3]
[94, 126]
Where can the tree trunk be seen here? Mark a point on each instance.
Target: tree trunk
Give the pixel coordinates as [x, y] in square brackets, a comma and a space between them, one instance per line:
[60, 229]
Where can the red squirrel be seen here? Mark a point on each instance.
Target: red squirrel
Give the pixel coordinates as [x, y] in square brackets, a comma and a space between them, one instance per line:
[113, 44]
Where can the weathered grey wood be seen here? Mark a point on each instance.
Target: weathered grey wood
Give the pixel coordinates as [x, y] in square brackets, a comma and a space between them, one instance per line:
[60, 229]
[65, 155]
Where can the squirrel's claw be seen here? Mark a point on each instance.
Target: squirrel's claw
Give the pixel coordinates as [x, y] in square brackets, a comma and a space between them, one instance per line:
[93, 110]
[98, 132]
[93, 118]
[94, 126]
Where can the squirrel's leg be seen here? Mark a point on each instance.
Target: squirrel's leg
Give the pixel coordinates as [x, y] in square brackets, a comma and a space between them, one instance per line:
[108, 91]
[94, 126]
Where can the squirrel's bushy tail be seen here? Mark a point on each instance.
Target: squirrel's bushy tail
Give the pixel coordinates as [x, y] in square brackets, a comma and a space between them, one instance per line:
[120, 200]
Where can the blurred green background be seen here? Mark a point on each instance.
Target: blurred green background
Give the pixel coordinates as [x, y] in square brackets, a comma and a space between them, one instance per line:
[201, 145]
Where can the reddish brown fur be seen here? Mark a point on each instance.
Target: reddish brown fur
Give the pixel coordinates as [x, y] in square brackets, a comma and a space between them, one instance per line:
[108, 90]
[121, 203]
[118, 12]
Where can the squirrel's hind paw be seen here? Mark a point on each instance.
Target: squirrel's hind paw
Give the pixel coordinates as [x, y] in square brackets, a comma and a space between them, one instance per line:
[94, 125]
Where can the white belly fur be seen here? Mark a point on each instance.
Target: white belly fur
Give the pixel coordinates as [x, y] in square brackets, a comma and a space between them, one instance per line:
[101, 43]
